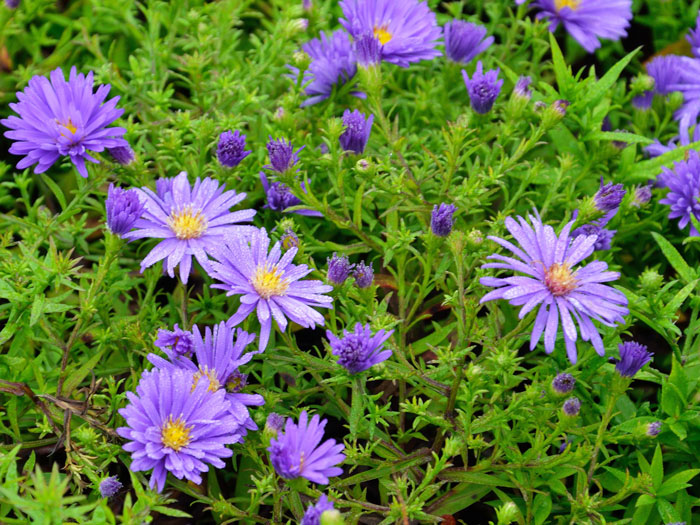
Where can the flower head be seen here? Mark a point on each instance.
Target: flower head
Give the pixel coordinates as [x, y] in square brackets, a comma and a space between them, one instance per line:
[109, 486]
[693, 38]
[359, 350]
[231, 149]
[175, 344]
[483, 88]
[12, 4]
[552, 282]
[604, 240]
[464, 40]
[587, 20]
[177, 424]
[62, 119]
[633, 356]
[282, 155]
[339, 268]
[332, 63]
[298, 452]
[219, 359]
[357, 129]
[654, 428]
[571, 406]
[522, 88]
[289, 239]
[666, 72]
[312, 516]
[274, 422]
[190, 220]
[642, 195]
[683, 183]
[609, 196]
[123, 155]
[368, 50]
[406, 29]
[563, 383]
[363, 274]
[442, 220]
[268, 283]
[123, 209]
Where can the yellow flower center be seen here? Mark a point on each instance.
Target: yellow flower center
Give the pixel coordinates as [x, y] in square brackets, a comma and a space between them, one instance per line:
[68, 125]
[187, 224]
[175, 434]
[560, 4]
[214, 384]
[382, 34]
[559, 279]
[269, 282]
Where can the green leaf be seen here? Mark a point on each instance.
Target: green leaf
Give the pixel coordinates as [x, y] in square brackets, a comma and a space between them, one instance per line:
[541, 508]
[76, 377]
[357, 206]
[357, 407]
[628, 138]
[657, 468]
[598, 91]
[37, 308]
[667, 512]
[561, 70]
[175, 513]
[55, 189]
[476, 478]
[676, 260]
[674, 304]
[649, 169]
[677, 482]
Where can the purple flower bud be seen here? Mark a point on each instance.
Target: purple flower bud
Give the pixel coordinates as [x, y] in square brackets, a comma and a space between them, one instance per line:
[176, 343]
[274, 422]
[307, 5]
[642, 195]
[572, 406]
[364, 275]
[604, 240]
[560, 106]
[280, 197]
[633, 356]
[339, 268]
[289, 240]
[361, 349]
[643, 101]
[464, 40]
[654, 428]
[282, 155]
[123, 155]
[563, 383]
[12, 4]
[441, 220]
[231, 149]
[357, 130]
[483, 88]
[312, 516]
[368, 50]
[109, 486]
[522, 88]
[609, 196]
[236, 381]
[563, 446]
[123, 209]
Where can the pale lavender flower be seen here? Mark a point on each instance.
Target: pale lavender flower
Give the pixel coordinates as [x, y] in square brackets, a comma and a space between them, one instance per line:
[522, 88]
[483, 88]
[464, 40]
[298, 452]
[359, 350]
[60, 118]
[269, 284]
[191, 220]
[368, 50]
[552, 282]
[654, 428]
[642, 195]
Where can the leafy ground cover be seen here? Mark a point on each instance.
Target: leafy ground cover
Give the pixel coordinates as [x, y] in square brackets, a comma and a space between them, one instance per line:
[366, 261]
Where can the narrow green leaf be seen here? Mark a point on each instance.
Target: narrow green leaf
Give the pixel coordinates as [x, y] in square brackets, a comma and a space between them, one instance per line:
[629, 138]
[54, 189]
[541, 508]
[674, 304]
[598, 91]
[167, 511]
[357, 206]
[76, 377]
[561, 70]
[648, 169]
[657, 468]
[677, 482]
[37, 308]
[676, 260]
[667, 512]
[357, 407]
[476, 478]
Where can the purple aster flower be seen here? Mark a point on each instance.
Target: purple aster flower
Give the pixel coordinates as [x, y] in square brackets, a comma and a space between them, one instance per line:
[269, 283]
[59, 119]
[363, 274]
[633, 356]
[282, 155]
[657, 148]
[312, 516]
[693, 38]
[407, 29]
[357, 129]
[522, 88]
[666, 71]
[274, 422]
[642, 195]
[123, 155]
[332, 63]
[442, 220]
[368, 50]
[177, 424]
[604, 240]
[359, 350]
[339, 268]
[571, 406]
[298, 452]
[175, 344]
[683, 183]
[654, 428]
[464, 40]
[587, 20]
[123, 209]
[643, 101]
[231, 149]
[12, 4]
[609, 196]
[483, 88]
[563, 383]
[190, 220]
[109, 486]
[219, 359]
[552, 282]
